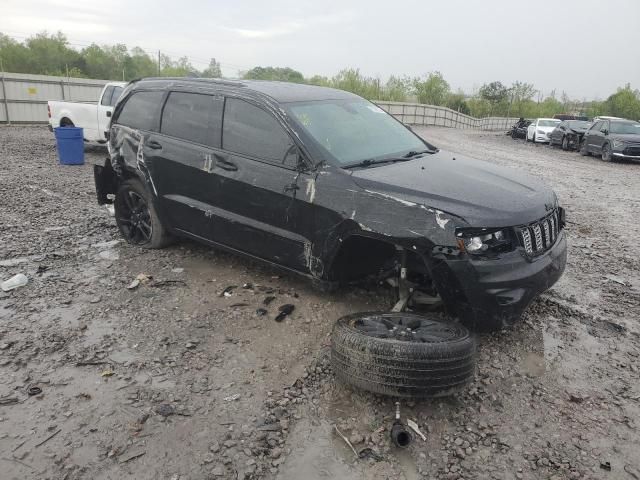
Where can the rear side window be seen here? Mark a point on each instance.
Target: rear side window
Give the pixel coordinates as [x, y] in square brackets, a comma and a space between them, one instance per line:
[193, 117]
[252, 131]
[117, 91]
[111, 96]
[106, 97]
[141, 110]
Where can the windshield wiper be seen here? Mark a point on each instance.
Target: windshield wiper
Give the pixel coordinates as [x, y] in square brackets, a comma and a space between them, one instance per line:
[371, 161]
[414, 153]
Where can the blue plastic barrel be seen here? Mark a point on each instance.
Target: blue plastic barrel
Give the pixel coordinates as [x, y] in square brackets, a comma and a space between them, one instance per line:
[70, 141]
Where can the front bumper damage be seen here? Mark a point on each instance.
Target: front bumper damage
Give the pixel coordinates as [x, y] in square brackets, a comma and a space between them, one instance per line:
[493, 293]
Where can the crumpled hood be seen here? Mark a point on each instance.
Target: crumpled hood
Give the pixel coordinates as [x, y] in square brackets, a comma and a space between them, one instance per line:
[578, 129]
[481, 193]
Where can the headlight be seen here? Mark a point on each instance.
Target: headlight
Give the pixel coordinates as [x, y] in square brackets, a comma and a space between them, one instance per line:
[480, 241]
[540, 132]
[618, 144]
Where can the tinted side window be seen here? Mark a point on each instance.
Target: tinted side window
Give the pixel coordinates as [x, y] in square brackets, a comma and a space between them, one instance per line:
[117, 91]
[604, 126]
[106, 98]
[141, 110]
[252, 131]
[595, 127]
[193, 117]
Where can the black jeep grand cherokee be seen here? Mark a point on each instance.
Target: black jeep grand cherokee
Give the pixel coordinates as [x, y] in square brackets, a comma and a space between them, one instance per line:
[326, 184]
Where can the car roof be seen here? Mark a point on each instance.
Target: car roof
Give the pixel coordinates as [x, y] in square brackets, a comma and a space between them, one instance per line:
[281, 92]
[552, 119]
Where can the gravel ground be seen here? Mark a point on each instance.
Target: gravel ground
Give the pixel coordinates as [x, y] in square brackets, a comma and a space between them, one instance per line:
[172, 380]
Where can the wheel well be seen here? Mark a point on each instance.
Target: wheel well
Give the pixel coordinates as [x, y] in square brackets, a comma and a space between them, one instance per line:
[64, 121]
[361, 256]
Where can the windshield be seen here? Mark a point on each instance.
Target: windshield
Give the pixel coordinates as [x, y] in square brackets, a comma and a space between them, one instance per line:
[548, 123]
[352, 131]
[578, 124]
[625, 127]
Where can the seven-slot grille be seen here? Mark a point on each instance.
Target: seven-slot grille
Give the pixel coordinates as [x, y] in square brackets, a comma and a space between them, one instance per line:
[538, 237]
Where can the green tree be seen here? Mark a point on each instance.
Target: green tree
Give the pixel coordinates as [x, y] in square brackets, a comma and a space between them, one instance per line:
[432, 90]
[397, 89]
[624, 103]
[457, 102]
[213, 70]
[285, 74]
[494, 92]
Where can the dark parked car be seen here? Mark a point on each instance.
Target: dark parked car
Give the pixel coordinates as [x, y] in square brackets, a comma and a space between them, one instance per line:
[326, 184]
[569, 134]
[612, 140]
[519, 129]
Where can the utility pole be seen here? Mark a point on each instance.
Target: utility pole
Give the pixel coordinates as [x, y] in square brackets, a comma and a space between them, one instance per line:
[158, 62]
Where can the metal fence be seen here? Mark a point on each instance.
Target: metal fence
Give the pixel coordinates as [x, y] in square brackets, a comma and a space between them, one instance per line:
[23, 97]
[420, 114]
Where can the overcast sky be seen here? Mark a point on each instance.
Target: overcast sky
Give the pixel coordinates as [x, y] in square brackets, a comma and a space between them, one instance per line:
[586, 48]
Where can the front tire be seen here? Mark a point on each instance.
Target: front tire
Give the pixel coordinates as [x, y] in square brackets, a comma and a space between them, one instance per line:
[565, 143]
[607, 153]
[136, 216]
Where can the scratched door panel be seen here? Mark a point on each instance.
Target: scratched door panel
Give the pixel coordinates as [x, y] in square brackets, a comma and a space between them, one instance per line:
[182, 174]
[262, 211]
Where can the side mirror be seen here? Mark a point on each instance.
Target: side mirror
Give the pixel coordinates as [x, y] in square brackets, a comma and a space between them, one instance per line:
[605, 131]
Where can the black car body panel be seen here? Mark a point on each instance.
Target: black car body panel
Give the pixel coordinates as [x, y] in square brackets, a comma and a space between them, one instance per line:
[314, 217]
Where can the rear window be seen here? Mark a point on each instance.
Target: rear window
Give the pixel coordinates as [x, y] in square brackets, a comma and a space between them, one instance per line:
[141, 110]
[194, 117]
[252, 131]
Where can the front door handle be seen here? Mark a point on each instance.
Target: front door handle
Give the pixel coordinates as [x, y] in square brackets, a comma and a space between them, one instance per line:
[292, 187]
[225, 164]
[154, 145]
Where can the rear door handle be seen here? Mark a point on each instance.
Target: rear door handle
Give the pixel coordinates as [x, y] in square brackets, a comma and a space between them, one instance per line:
[225, 164]
[153, 144]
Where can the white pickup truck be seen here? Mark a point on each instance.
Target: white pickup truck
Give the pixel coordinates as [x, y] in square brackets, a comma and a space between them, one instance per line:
[93, 118]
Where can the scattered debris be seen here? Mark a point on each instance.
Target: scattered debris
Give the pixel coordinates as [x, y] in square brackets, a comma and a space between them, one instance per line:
[267, 300]
[616, 279]
[165, 410]
[9, 401]
[106, 244]
[177, 270]
[605, 466]
[237, 305]
[346, 440]
[285, 310]
[227, 291]
[370, 453]
[109, 255]
[48, 438]
[166, 283]
[577, 397]
[131, 456]
[414, 426]
[107, 373]
[141, 278]
[12, 262]
[34, 390]
[231, 398]
[19, 280]
[261, 312]
[247, 286]
[400, 436]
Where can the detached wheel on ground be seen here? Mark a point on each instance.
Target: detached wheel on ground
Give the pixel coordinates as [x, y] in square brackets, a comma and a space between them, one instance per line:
[402, 354]
[136, 217]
